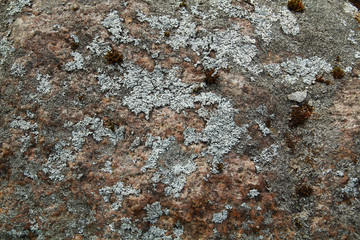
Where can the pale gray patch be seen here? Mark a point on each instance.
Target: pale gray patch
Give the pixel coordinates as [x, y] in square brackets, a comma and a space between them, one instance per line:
[17, 6]
[77, 64]
[44, 86]
[220, 216]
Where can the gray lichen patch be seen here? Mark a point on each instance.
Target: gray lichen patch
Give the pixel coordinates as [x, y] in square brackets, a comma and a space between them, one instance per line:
[44, 86]
[119, 34]
[267, 155]
[298, 69]
[119, 190]
[127, 229]
[57, 162]
[352, 187]
[16, 6]
[172, 165]
[110, 85]
[263, 19]
[156, 89]
[229, 46]
[5, 50]
[18, 70]
[220, 133]
[253, 193]
[164, 22]
[22, 124]
[156, 233]
[220, 216]
[153, 212]
[288, 22]
[77, 64]
[94, 127]
[98, 47]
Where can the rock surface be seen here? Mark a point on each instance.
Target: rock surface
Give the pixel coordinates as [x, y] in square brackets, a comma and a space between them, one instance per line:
[170, 120]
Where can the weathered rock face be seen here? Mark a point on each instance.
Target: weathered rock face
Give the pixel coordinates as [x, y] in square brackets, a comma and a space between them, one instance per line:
[179, 120]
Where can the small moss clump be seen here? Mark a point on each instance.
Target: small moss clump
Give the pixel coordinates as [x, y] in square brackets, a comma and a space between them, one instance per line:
[113, 57]
[210, 77]
[109, 125]
[74, 45]
[300, 114]
[321, 79]
[296, 5]
[356, 3]
[304, 191]
[220, 167]
[183, 4]
[338, 73]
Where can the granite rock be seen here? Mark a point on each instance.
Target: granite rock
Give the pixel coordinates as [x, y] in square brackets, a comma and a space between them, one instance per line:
[189, 134]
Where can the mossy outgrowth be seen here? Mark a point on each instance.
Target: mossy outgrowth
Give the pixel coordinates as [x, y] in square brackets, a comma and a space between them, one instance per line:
[74, 45]
[113, 57]
[290, 142]
[300, 114]
[296, 5]
[183, 4]
[109, 125]
[210, 76]
[338, 73]
[220, 167]
[321, 79]
[357, 17]
[81, 97]
[167, 34]
[356, 3]
[304, 191]
[197, 90]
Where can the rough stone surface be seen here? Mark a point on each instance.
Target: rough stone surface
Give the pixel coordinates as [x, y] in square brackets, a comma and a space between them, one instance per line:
[190, 135]
[298, 96]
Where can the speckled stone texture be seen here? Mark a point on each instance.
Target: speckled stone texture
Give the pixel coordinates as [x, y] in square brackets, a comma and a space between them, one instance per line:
[216, 119]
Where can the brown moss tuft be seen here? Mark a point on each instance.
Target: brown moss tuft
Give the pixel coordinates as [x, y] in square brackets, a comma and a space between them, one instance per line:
[296, 5]
[220, 167]
[338, 73]
[113, 57]
[183, 4]
[300, 114]
[304, 190]
[321, 79]
[109, 124]
[74, 45]
[356, 3]
[210, 77]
